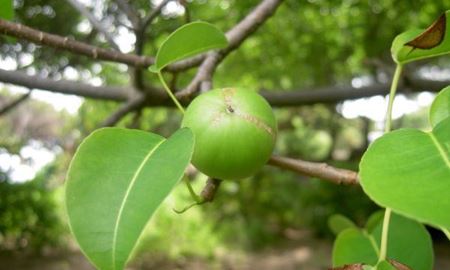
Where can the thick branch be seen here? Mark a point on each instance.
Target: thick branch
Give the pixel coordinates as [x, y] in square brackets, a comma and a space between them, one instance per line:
[64, 43]
[65, 87]
[11, 105]
[77, 47]
[95, 23]
[235, 37]
[335, 94]
[314, 169]
[159, 98]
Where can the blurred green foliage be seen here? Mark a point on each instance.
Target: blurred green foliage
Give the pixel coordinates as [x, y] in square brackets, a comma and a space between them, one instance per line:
[29, 219]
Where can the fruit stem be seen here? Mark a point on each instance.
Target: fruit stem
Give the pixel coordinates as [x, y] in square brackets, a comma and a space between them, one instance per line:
[384, 234]
[194, 196]
[395, 80]
[198, 200]
[387, 128]
[169, 92]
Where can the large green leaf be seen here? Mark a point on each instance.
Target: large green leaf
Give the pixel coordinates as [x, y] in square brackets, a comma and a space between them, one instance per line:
[409, 171]
[408, 243]
[6, 9]
[116, 180]
[440, 109]
[419, 44]
[189, 40]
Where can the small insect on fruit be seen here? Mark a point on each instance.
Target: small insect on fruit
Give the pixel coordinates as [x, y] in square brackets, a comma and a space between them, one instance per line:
[235, 131]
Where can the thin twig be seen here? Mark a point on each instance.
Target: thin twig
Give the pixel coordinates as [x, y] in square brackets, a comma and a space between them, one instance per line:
[138, 72]
[210, 189]
[11, 105]
[315, 169]
[131, 14]
[132, 105]
[95, 23]
[153, 14]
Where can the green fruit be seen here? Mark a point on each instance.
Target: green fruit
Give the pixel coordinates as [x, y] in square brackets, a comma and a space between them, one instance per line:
[235, 131]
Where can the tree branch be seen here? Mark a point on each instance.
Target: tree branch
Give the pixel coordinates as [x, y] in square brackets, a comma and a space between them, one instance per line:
[77, 47]
[65, 87]
[131, 105]
[64, 43]
[314, 169]
[11, 105]
[153, 14]
[210, 189]
[335, 94]
[129, 12]
[156, 96]
[138, 73]
[235, 36]
[95, 23]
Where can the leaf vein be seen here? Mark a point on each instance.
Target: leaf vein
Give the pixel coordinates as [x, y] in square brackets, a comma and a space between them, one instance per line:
[440, 149]
[127, 193]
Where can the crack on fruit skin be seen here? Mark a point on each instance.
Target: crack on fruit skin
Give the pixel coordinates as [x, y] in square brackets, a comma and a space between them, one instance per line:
[257, 122]
[227, 94]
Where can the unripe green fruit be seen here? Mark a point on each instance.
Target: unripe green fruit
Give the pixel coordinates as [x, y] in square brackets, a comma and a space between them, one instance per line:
[235, 131]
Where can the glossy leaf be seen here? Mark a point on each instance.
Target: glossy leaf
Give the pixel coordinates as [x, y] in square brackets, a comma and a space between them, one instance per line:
[116, 180]
[419, 44]
[338, 223]
[408, 243]
[413, 175]
[354, 246]
[188, 40]
[440, 108]
[6, 9]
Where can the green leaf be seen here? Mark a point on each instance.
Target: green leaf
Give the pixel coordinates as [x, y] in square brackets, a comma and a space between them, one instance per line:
[6, 9]
[188, 40]
[354, 246]
[338, 223]
[408, 243]
[373, 221]
[440, 108]
[446, 232]
[409, 171]
[116, 180]
[419, 44]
